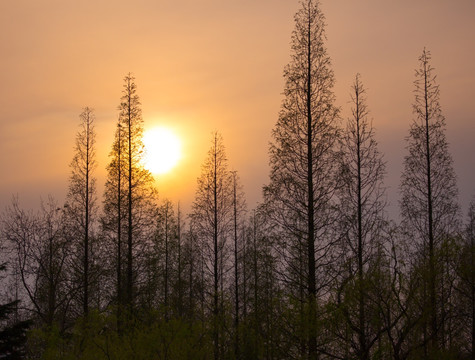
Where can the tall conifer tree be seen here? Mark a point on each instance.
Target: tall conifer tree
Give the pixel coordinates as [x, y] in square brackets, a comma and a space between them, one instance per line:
[130, 195]
[81, 205]
[429, 207]
[211, 217]
[362, 221]
[302, 156]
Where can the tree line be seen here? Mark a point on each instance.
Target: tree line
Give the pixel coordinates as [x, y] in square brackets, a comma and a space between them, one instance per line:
[318, 270]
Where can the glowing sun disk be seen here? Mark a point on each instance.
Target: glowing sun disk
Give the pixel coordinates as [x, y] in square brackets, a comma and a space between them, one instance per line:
[162, 150]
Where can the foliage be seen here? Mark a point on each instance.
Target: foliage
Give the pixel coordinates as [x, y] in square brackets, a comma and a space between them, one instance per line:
[12, 330]
[96, 338]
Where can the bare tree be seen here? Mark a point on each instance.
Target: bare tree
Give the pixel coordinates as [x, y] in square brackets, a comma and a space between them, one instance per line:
[211, 217]
[180, 261]
[42, 249]
[130, 118]
[239, 208]
[113, 214]
[259, 290]
[466, 286]
[362, 221]
[429, 207]
[81, 205]
[471, 271]
[168, 225]
[13, 331]
[130, 195]
[302, 154]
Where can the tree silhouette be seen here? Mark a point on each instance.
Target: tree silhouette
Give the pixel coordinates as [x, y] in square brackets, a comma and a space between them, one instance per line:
[81, 205]
[429, 205]
[239, 208]
[12, 331]
[113, 214]
[211, 217]
[466, 286]
[41, 252]
[129, 199]
[470, 272]
[302, 154]
[362, 220]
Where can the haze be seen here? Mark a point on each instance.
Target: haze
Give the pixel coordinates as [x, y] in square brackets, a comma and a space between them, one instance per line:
[212, 65]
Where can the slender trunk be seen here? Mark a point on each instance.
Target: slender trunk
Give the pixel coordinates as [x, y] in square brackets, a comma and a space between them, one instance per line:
[425, 300]
[256, 274]
[268, 307]
[86, 229]
[312, 293]
[472, 278]
[361, 291]
[17, 300]
[166, 261]
[119, 226]
[432, 292]
[190, 275]
[244, 281]
[215, 239]
[130, 297]
[236, 289]
[180, 290]
[302, 285]
[51, 290]
[202, 289]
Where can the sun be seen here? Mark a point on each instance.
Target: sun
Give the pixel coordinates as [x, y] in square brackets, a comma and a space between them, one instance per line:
[162, 150]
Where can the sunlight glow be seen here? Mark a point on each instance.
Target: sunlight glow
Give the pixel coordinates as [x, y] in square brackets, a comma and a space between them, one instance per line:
[162, 150]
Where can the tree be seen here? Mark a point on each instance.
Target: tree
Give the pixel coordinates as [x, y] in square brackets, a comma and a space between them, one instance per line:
[12, 331]
[362, 221]
[239, 207]
[211, 217]
[192, 259]
[429, 205]
[302, 155]
[471, 270]
[129, 199]
[113, 215]
[398, 296]
[168, 231]
[130, 118]
[466, 286]
[261, 305]
[81, 199]
[180, 263]
[41, 250]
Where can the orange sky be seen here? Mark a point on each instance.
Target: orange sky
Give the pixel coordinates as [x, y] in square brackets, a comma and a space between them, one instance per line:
[205, 65]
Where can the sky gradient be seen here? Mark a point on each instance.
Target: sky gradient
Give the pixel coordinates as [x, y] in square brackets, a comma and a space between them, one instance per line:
[206, 65]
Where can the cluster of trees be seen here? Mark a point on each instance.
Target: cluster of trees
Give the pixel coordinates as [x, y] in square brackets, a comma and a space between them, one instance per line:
[317, 270]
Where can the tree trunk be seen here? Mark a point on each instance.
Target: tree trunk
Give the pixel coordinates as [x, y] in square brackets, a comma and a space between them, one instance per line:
[432, 291]
[236, 290]
[130, 297]
[215, 241]
[361, 292]
[312, 292]
[166, 261]
[86, 230]
[119, 230]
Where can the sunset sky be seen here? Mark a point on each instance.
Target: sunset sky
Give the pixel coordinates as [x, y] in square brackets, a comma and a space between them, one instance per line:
[206, 65]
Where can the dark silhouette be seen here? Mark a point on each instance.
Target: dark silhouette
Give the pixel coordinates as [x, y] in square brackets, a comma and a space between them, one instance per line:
[429, 205]
[302, 153]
